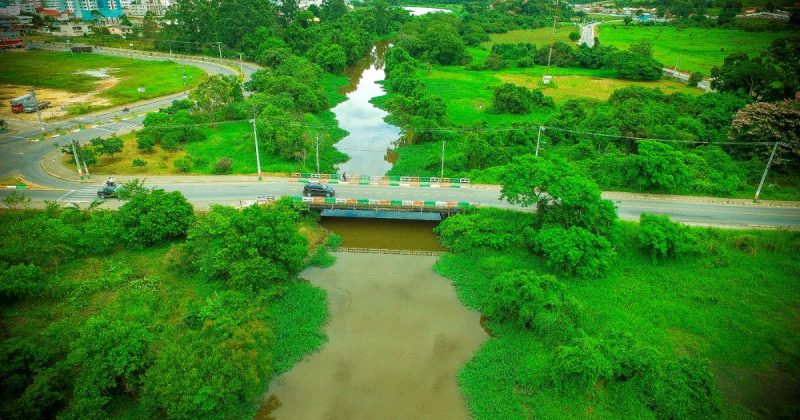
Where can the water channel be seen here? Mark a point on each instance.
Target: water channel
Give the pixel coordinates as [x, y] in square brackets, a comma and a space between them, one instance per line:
[397, 333]
[370, 141]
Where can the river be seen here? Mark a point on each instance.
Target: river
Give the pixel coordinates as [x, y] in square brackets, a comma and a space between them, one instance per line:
[370, 139]
[397, 333]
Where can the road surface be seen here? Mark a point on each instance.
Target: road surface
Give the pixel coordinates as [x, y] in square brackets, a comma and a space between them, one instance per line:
[629, 206]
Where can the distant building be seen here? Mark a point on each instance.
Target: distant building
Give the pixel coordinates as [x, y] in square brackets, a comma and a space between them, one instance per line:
[121, 30]
[71, 30]
[87, 9]
[141, 7]
[9, 7]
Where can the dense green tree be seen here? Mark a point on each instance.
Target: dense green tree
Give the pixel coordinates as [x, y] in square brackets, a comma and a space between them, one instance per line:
[632, 66]
[574, 250]
[661, 166]
[152, 216]
[249, 249]
[110, 354]
[333, 9]
[215, 93]
[510, 98]
[108, 146]
[561, 197]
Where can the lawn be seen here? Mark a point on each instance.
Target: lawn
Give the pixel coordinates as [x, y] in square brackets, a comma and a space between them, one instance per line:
[232, 139]
[60, 70]
[734, 302]
[693, 49]
[539, 37]
[468, 94]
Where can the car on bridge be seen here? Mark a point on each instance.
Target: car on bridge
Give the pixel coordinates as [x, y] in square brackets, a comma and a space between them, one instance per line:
[313, 188]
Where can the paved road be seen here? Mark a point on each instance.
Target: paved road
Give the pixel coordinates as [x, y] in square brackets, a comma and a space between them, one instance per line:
[587, 34]
[19, 156]
[629, 206]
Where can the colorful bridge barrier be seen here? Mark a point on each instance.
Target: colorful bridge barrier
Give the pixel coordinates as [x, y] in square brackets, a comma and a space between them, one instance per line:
[390, 180]
[368, 202]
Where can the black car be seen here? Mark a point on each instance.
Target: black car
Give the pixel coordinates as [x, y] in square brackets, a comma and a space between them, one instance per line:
[313, 188]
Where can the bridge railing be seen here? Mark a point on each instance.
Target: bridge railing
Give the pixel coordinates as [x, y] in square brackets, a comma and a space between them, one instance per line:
[377, 179]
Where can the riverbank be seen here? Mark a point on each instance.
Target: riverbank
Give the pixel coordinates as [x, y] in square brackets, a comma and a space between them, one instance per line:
[728, 303]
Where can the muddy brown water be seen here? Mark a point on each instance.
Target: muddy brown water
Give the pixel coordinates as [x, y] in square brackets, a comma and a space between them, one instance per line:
[383, 233]
[397, 334]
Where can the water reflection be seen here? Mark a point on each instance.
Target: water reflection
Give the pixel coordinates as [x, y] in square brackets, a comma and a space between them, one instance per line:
[369, 136]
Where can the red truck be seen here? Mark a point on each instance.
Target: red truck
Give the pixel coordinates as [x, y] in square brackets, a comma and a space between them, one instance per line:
[9, 43]
[27, 103]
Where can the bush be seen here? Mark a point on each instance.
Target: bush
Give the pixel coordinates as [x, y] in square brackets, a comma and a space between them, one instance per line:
[684, 388]
[510, 98]
[146, 143]
[139, 163]
[532, 302]
[574, 36]
[664, 238]
[20, 280]
[696, 78]
[485, 228]
[152, 216]
[223, 165]
[574, 250]
[184, 164]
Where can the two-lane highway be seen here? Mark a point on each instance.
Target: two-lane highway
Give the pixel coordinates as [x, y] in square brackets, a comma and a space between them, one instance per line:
[629, 206]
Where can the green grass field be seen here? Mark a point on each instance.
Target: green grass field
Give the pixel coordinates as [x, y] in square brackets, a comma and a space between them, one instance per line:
[734, 303]
[233, 140]
[468, 94]
[693, 49]
[539, 37]
[56, 70]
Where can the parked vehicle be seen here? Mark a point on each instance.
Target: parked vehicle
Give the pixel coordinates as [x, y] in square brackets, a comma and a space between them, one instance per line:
[27, 103]
[312, 189]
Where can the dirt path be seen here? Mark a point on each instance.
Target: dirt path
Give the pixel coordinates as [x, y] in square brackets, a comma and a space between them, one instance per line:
[397, 336]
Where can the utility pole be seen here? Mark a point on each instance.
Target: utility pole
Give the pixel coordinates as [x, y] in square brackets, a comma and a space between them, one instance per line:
[255, 138]
[317, 153]
[86, 168]
[77, 163]
[183, 77]
[241, 70]
[219, 47]
[38, 111]
[547, 76]
[441, 173]
[538, 136]
[764, 176]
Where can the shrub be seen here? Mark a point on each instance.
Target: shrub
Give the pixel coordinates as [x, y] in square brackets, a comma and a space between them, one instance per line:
[574, 36]
[485, 228]
[683, 388]
[574, 250]
[531, 302]
[696, 78]
[664, 238]
[223, 165]
[139, 163]
[184, 164]
[20, 280]
[152, 216]
[146, 143]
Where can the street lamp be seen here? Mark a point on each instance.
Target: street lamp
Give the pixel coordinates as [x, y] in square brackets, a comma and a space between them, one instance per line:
[183, 77]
